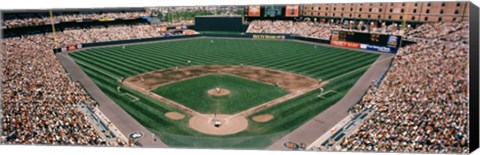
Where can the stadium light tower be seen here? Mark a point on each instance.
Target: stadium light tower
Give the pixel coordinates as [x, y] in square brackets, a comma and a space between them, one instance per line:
[53, 29]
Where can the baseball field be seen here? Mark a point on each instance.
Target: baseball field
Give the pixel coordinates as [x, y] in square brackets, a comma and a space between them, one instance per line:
[153, 80]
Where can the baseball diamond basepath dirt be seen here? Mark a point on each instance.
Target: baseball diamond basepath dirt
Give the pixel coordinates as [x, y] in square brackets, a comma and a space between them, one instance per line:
[296, 84]
[289, 81]
[228, 124]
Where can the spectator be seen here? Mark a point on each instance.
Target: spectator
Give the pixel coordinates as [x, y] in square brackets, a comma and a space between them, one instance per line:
[422, 103]
[40, 102]
[43, 20]
[320, 30]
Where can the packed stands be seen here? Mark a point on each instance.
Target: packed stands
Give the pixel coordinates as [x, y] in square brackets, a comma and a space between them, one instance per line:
[39, 19]
[104, 34]
[179, 23]
[39, 100]
[319, 30]
[41, 104]
[422, 103]
[455, 31]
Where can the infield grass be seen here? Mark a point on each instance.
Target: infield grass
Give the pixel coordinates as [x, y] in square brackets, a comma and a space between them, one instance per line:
[244, 93]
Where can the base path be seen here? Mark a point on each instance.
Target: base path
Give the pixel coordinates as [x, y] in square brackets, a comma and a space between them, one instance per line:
[120, 118]
[279, 100]
[323, 122]
[289, 81]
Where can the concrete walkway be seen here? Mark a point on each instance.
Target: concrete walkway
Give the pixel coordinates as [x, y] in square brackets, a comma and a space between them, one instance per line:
[119, 117]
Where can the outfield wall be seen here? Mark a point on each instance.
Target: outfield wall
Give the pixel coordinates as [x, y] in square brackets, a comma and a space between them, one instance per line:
[222, 23]
[239, 35]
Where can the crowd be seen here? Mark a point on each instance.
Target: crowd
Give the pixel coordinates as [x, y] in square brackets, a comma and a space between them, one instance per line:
[103, 34]
[39, 101]
[320, 30]
[304, 28]
[268, 26]
[179, 23]
[422, 103]
[69, 17]
[452, 31]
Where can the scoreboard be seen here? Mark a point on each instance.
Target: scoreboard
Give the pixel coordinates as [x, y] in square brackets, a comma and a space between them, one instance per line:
[369, 41]
[273, 11]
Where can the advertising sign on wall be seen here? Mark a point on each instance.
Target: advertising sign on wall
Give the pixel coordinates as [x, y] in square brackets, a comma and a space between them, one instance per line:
[378, 48]
[291, 11]
[345, 44]
[264, 36]
[254, 11]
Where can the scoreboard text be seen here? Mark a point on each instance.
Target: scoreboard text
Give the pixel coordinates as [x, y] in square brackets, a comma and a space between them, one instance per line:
[370, 41]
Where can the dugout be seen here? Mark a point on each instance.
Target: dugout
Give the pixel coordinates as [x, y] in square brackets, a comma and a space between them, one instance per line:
[220, 23]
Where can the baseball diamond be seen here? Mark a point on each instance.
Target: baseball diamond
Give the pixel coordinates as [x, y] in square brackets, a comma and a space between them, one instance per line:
[175, 77]
[243, 93]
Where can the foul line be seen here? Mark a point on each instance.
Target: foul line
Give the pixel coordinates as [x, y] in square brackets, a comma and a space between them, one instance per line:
[130, 95]
[329, 91]
[296, 94]
[164, 100]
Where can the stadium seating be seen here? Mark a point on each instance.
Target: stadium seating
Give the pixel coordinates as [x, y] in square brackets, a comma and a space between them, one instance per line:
[320, 30]
[38, 19]
[420, 106]
[36, 84]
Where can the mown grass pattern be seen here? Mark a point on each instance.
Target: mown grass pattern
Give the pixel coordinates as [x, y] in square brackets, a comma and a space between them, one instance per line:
[106, 65]
[244, 93]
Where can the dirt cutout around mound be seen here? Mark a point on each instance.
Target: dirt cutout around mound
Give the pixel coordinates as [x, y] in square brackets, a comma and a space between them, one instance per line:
[289, 81]
[218, 92]
[263, 118]
[174, 115]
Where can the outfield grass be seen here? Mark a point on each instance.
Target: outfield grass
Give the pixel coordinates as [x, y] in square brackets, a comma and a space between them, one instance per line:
[244, 93]
[107, 64]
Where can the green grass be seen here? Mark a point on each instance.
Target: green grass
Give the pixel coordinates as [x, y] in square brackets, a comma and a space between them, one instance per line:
[107, 64]
[244, 93]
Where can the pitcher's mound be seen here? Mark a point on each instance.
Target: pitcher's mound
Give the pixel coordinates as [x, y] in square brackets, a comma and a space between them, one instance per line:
[218, 92]
[263, 118]
[174, 115]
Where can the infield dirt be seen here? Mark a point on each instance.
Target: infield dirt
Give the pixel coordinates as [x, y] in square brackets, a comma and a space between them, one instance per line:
[289, 81]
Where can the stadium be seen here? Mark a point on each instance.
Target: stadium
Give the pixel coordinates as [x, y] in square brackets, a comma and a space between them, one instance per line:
[380, 77]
